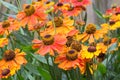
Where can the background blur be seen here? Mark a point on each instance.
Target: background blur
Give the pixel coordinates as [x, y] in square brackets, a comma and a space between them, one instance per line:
[101, 5]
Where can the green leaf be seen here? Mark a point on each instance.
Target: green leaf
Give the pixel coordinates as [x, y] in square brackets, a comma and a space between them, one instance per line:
[117, 77]
[29, 1]
[41, 58]
[9, 6]
[101, 68]
[85, 18]
[29, 76]
[99, 14]
[32, 68]
[8, 15]
[96, 75]
[22, 31]
[45, 74]
[20, 77]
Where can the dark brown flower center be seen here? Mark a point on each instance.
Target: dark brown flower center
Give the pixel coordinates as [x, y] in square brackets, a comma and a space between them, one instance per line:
[106, 40]
[79, 0]
[48, 39]
[90, 29]
[29, 10]
[5, 24]
[91, 49]
[83, 8]
[101, 57]
[70, 8]
[76, 45]
[69, 41]
[5, 72]
[58, 21]
[72, 55]
[111, 22]
[39, 0]
[117, 13]
[60, 4]
[47, 2]
[9, 55]
[114, 6]
[92, 44]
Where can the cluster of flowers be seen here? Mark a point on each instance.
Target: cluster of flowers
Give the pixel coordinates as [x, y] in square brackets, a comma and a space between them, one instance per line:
[62, 32]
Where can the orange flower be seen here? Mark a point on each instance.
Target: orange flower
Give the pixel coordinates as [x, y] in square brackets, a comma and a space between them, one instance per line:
[73, 32]
[90, 52]
[8, 26]
[40, 1]
[70, 59]
[104, 46]
[49, 44]
[59, 25]
[71, 11]
[44, 3]
[60, 6]
[6, 71]
[49, 4]
[105, 27]
[91, 34]
[114, 22]
[38, 26]
[71, 37]
[65, 1]
[31, 15]
[13, 59]
[3, 42]
[113, 10]
[107, 42]
[80, 2]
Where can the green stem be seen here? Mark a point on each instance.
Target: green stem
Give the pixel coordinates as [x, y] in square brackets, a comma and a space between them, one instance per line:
[75, 74]
[1, 50]
[52, 74]
[77, 71]
[54, 68]
[89, 76]
[67, 75]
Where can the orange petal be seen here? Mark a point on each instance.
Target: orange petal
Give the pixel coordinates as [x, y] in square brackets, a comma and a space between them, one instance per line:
[60, 59]
[91, 39]
[69, 65]
[24, 21]
[60, 39]
[43, 50]
[3, 42]
[20, 60]
[36, 41]
[114, 40]
[21, 15]
[85, 38]
[72, 32]
[32, 21]
[62, 64]
[57, 47]
[2, 62]
[41, 15]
